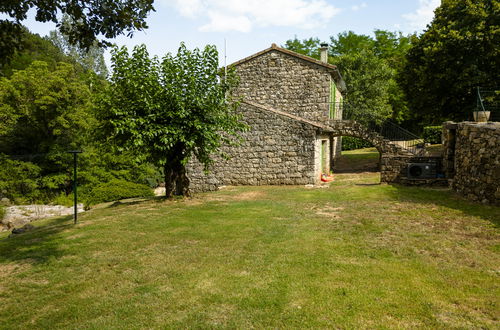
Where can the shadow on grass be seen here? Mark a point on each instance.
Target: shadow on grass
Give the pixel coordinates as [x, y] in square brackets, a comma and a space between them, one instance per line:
[447, 198]
[38, 245]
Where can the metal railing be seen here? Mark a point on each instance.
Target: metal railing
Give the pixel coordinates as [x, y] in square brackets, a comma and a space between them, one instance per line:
[379, 124]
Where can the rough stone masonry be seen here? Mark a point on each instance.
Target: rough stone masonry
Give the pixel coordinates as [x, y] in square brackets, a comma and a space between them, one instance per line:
[472, 159]
[287, 142]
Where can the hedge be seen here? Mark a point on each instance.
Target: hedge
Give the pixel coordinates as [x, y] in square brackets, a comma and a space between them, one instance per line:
[353, 143]
[432, 134]
[115, 190]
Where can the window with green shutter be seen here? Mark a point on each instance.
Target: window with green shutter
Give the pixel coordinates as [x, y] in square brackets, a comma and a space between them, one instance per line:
[333, 94]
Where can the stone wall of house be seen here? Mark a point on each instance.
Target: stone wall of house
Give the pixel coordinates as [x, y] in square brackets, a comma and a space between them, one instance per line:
[286, 83]
[476, 159]
[276, 150]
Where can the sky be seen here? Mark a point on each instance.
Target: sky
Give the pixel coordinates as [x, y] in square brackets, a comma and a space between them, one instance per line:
[249, 26]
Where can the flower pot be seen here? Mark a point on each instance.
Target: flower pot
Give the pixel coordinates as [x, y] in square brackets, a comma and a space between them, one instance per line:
[481, 116]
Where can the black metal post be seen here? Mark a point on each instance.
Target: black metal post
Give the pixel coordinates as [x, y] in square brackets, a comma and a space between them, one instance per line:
[75, 196]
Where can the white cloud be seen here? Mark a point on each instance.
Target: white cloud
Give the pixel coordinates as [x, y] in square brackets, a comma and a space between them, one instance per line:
[188, 8]
[358, 7]
[423, 15]
[222, 22]
[244, 15]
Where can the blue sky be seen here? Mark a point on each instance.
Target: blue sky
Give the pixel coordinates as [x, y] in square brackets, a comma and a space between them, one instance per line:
[253, 25]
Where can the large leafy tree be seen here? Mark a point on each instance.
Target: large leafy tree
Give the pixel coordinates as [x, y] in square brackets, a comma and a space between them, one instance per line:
[170, 110]
[459, 51]
[34, 48]
[90, 20]
[45, 113]
[370, 68]
[309, 47]
[47, 110]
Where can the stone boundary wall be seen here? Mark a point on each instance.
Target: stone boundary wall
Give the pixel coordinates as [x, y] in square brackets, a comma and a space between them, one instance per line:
[474, 150]
[276, 150]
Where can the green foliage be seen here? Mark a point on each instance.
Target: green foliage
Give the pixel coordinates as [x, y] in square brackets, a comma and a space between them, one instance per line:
[51, 111]
[459, 51]
[370, 68]
[19, 181]
[88, 20]
[116, 190]
[166, 112]
[349, 43]
[34, 48]
[367, 78]
[353, 143]
[309, 47]
[432, 134]
[2, 212]
[91, 59]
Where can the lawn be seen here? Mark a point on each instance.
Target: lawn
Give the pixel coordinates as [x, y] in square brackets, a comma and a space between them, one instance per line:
[360, 160]
[353, 255]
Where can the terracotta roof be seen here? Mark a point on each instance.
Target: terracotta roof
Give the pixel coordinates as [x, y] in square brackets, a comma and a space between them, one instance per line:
[328, 66]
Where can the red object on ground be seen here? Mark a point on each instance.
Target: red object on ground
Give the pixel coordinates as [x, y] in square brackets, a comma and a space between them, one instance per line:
[326, 178]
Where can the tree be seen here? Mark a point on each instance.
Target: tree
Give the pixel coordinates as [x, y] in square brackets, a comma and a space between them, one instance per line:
[368, 84]
[459, 51]
[34, 48]
[89, 20]
[309, 47]
[347, 43]
[170, 110]
[369, 67]
[48, 110]
[91, 59]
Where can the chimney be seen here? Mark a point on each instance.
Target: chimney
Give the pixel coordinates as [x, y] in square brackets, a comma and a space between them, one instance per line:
[324, 52]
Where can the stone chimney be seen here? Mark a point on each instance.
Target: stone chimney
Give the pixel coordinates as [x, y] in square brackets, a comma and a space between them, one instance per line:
[324, 52]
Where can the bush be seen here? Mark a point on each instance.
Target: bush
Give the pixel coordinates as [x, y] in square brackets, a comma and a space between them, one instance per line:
[353, 143]
[2, 212]
[432, 134]
[116, 190]
[19, 181]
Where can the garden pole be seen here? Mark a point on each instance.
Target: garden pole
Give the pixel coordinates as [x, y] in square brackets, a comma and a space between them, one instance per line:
[75, 201]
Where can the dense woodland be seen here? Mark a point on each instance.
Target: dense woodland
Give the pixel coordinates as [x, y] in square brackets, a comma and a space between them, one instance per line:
[55, 96]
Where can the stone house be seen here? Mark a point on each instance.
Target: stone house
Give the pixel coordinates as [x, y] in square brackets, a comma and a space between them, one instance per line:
[288, 100]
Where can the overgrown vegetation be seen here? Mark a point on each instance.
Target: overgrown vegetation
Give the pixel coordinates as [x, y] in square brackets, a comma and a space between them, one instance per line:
[432, 134]
[47, 102]
[355, 255]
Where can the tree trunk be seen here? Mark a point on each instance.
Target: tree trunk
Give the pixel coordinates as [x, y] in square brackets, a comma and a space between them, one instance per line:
[176, 180]
[168, 173]
[182, 182]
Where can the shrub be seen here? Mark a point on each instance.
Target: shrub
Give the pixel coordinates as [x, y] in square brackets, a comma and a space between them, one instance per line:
[116, 190]
[19, 181]
[432, 134]
[352, 143]
[2, 212]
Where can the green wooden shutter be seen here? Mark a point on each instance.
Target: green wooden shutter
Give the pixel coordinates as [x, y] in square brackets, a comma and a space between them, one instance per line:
[333, 95]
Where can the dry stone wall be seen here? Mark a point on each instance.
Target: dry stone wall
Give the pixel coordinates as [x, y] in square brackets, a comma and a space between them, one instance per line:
[476, 160]
[276, 150]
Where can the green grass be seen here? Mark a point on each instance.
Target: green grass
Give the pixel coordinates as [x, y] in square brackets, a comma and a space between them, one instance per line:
[359, 160]
[354, 255]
